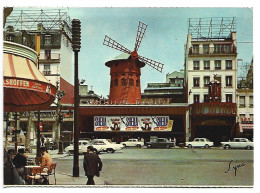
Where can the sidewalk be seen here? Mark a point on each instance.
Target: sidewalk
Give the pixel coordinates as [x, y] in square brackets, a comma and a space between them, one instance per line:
[63, 178]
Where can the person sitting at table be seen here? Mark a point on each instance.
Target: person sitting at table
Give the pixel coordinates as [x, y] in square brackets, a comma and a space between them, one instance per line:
[46, 162]
[19, 162]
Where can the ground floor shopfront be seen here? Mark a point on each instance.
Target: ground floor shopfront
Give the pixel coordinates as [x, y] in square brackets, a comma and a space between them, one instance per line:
[121, 122]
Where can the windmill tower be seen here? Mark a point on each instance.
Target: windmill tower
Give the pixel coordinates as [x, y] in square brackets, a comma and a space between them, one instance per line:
[125, 70]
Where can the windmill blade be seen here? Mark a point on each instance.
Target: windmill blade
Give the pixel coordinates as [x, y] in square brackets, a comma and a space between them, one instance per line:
[140, 34]
[154, 64]
[113, 44]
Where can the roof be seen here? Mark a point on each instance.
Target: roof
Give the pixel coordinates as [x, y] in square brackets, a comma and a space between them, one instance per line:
[123, 56]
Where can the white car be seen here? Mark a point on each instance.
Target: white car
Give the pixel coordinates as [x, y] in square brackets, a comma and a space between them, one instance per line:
[199, 142]
[132, 143]
[83, 145]
[103, 145]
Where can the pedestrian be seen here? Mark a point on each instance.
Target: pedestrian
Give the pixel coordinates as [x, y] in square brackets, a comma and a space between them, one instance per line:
[46, 162]
[42, 140]
[47, 144]
[20, 162]
[92, 165]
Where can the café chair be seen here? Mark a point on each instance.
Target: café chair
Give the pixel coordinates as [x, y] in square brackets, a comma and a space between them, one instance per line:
[35, 174]
[51, 171]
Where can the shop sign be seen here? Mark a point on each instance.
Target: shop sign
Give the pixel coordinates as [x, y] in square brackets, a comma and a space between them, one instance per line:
[132, 123]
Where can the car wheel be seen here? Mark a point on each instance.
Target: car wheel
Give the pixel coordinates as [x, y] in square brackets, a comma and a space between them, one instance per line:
[248, 147]
[138, 145]
[149, 146]
[206, 146]
[227, 147]
[189, 146]
[124, 145]
[70, 152]
[110, 150]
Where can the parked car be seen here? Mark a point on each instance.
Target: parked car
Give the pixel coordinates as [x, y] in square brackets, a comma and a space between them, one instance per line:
[238, 143]
[103, 145]
[83, 144]
[160, 142]
[199, 142]
[132, 143]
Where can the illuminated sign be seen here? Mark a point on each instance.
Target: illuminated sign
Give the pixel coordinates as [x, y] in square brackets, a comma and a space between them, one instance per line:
[132, 123]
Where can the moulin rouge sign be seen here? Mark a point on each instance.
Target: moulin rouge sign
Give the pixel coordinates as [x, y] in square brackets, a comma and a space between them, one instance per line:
[131, 123]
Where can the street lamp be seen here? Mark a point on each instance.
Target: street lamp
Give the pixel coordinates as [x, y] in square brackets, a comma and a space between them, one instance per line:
[76, 45]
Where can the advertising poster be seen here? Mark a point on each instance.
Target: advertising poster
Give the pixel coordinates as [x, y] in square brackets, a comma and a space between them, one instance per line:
[132, 123]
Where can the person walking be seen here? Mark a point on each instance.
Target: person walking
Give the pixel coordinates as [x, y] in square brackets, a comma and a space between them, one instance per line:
[42, 140]
[92, 165]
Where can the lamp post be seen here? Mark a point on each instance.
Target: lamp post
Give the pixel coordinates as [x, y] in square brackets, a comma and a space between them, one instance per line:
[76, 41]
[6, 117]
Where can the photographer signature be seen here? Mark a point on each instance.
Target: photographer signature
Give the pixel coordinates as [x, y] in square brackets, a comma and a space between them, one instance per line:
[234, 167]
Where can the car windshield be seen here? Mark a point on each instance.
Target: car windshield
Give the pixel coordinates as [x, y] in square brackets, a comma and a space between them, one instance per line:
[207, 140]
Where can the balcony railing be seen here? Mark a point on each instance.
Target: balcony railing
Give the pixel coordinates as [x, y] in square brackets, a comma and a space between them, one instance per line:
[233, 50]
[213, 109]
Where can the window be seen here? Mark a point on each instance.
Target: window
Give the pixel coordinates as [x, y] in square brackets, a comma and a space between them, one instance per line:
[206, 98]
[205, 49]
[196, 98]
[47, 54]
[228, 64]
[229, 98]
[228, 80]
[196, 65]
[206, 81]
[206, 65]
[218, 78]
[131, 82]
[251, 116]
[251, 101]
[123, 82]
[195, 49]
[47, 40]
[137, 83]
[116, 82]
[196, 82]
[222, 48]
[217, 64]
[46, 69]
[242, 101]
[10, 38]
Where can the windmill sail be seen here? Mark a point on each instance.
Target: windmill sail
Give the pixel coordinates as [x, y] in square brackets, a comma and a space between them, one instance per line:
[114, 44]
[140, 34]
[154, 64]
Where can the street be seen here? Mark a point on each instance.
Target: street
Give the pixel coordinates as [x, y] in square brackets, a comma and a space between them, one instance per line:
[172, 167]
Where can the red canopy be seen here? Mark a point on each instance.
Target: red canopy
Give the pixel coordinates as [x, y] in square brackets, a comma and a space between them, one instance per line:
[25, 87]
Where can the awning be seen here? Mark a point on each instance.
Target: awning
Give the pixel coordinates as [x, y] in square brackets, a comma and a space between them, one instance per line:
[25, 87]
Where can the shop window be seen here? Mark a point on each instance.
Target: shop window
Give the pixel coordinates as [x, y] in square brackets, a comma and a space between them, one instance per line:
[196, 65]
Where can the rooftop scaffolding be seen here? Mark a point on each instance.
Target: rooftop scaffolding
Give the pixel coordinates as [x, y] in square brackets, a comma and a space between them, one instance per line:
[27, 19]
[211, 28]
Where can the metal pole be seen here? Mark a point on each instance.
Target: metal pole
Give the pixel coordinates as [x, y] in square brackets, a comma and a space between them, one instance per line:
[76, 118]
[15, 134]
[38, 154]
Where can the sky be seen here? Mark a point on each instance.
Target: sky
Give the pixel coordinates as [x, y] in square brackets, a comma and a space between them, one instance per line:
[164, 39]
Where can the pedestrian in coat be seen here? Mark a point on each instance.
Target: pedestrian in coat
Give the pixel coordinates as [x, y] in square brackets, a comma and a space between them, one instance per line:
[92, 165]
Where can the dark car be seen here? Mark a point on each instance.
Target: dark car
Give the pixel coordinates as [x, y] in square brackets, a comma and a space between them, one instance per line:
[160, 142]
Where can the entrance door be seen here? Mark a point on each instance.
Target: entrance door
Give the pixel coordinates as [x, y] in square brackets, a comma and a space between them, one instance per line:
[214, 133]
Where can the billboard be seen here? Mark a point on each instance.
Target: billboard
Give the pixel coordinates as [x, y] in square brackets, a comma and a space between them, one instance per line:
[132, 123]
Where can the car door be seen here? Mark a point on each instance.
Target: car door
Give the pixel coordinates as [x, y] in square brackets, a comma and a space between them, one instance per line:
[196, 142]
[202, 143]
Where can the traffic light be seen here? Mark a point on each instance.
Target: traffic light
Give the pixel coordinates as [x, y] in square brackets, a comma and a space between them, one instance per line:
[76, 34]
[60, 118]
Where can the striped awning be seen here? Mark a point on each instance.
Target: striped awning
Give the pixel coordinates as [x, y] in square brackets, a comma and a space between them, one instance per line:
[245, 126]
[25, 87]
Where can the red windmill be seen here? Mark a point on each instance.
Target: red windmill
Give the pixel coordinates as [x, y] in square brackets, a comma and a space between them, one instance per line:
[125, 70]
